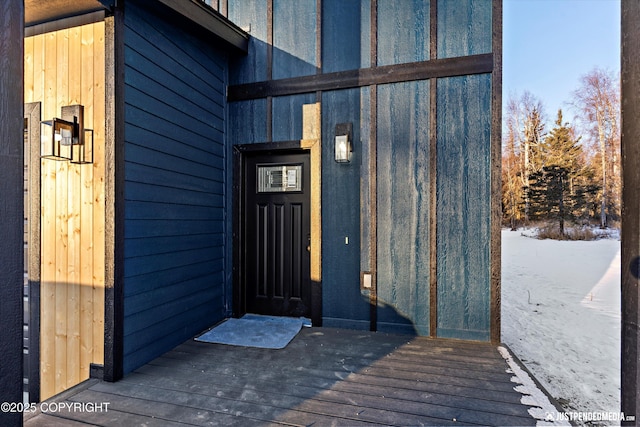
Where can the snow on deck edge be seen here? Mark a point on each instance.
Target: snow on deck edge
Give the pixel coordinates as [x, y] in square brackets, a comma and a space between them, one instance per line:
[540, 407]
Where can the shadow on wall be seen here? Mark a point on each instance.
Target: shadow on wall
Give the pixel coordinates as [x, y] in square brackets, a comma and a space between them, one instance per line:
[390, 320]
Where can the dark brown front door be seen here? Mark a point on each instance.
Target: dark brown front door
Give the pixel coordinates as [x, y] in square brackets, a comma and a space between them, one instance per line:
[276, 234]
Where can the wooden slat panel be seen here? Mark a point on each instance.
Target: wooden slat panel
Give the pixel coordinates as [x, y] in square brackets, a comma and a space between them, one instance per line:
[29, 64]
[87, 339]
[77, 368]
[49, 231]
[62, 73]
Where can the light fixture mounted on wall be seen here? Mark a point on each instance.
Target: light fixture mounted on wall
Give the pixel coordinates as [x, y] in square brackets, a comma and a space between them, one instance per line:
[343, 143]
[66, 139]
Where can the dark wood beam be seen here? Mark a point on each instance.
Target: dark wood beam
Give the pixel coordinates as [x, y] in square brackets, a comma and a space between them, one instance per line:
[449, 67]
[630, 144]
[11, 207]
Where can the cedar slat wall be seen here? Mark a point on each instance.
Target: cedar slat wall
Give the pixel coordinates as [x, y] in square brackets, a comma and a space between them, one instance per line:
[66, 67]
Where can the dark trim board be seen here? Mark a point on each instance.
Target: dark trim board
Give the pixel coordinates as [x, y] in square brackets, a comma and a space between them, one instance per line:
[630, 247]
[12, 196]
[496, 175]
[433, 162]
[448, 67]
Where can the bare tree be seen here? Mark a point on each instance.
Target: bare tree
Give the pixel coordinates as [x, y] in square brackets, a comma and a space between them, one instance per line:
[524, 133]
[597, 103]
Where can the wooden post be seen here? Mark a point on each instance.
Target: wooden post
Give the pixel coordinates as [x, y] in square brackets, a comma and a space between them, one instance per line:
[11, 207]
[630, 144]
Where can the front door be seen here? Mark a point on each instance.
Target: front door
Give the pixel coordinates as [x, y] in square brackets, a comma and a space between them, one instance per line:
[276, 234]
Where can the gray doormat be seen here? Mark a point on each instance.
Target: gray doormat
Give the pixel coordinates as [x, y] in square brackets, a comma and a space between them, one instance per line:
[253, 330]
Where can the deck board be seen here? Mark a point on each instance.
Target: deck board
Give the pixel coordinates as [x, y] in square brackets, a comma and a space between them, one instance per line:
[324, 376]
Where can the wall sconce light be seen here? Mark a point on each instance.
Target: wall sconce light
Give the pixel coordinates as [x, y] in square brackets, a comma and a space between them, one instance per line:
[58, 137]
[63, 139]
[343, 143]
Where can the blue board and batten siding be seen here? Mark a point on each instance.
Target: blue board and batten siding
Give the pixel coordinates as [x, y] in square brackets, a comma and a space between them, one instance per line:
[412, 138]
[174, 185]
[403, 206]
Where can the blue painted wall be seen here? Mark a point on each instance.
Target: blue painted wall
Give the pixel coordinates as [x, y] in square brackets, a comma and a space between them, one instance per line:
[401, 126]
[343, 304]
[346, 35]
[464, 27]
[463, 206]
[294, 41]
[403, 31]
[175, 117]
[403, 207]
[287, 116]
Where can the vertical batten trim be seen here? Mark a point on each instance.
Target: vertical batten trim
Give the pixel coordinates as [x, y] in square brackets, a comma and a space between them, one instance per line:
[269, 114]
[433, 161]
[319, 45]
[373, 188]
[496, 165]
[318, 38]
[374, 33]
[373, 183]
[269, 39]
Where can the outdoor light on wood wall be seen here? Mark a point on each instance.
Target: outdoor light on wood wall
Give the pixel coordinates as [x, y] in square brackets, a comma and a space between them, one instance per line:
[67, 139]
[343, 143]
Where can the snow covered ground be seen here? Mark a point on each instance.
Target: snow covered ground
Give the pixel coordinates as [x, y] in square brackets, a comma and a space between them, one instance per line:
[561, 316]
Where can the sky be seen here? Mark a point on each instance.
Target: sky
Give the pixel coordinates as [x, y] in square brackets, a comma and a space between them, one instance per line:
[549, 44]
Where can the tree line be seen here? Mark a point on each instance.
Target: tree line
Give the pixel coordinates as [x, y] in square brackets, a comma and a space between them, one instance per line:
[570, 173]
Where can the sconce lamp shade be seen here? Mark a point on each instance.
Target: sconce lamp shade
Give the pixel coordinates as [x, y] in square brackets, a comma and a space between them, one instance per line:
[66, 140]
[343, 144]
[343, 149]
[58, 137]
[82, 153]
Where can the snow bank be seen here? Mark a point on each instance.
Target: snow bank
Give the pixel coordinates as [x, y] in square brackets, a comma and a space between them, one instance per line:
[561, 316]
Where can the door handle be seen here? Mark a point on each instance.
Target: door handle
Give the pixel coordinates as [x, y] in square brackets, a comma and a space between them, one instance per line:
[309, 243]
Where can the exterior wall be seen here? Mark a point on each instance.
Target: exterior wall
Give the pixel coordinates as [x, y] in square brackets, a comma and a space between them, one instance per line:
[416, 200]
[11, 164]
[174, 185]
[62, 68]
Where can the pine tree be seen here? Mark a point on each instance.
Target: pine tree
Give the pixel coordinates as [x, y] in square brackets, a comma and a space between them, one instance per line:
[561, 189]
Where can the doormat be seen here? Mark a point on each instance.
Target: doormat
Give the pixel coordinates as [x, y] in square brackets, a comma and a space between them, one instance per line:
[253, 330]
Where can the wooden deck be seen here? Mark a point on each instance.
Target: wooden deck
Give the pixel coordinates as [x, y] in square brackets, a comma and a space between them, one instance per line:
[323, 377]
